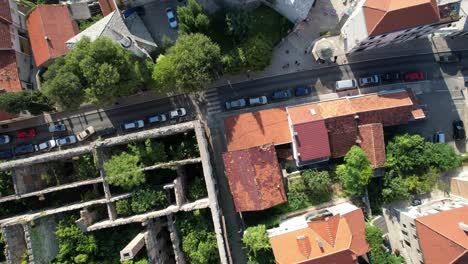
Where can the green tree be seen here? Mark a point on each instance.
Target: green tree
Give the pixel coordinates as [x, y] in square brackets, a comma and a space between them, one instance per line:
[239, 24]
[407, 154]
[190, 65]
[6, 183]
[374, 237]
[395, 189]
[443, 157]
[33, 101]
[200, 247]
[146, 199]
[256, 239]
[318, 183]
[355, 173]
[96, 72]
[87, 23]
[256, 53]
[192, 19]
[74, 245]
[123, 207]
[86, 169]
[124, 170]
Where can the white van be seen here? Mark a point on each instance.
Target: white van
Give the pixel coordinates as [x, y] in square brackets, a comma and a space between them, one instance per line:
[346, 84]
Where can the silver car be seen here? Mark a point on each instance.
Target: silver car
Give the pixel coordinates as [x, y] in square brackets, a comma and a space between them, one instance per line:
[48, 145]
[68, 140]
[239, 103]
[369, 80]
[261, 100]
[157, 118]
[177, 113]
[133, 125]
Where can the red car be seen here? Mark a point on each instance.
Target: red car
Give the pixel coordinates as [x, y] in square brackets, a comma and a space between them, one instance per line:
[26, 134]
[414, 76]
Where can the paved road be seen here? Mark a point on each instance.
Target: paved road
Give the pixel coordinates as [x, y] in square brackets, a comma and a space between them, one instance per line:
[323, 80]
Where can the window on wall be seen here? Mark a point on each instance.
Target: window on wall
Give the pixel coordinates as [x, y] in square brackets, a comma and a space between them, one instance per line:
[407, 243]
[413, 226]
[404, 232]
[383, 36]
[404, 225]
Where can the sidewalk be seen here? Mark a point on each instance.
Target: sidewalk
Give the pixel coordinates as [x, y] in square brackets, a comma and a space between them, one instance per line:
[307, 62]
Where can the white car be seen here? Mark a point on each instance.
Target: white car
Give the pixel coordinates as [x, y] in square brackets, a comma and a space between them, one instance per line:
[48, 145]
[86, 133]
[177, 113]
[4, 139]
[261, 100]
[157, 118]
[68, 140]
[133, 125]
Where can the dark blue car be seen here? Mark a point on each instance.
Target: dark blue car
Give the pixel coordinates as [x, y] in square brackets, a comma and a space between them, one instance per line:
[282, 94]
[6, 154]
[24, 149]
[301, 91]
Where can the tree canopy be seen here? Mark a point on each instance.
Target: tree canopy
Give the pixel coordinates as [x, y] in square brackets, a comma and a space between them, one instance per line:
[355, 173]
[374, 236]
[33, 101]
[413, 166]
[97, 72]
[190, 65]
[74, 245]
[192, 19]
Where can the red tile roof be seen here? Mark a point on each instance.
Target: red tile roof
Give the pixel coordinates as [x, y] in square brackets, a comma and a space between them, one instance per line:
[311, 140]
[385, 16]
[107, 6]
[9, 78]
[49, 27]
[255, 178]
[342, 117]
[342, 238]
[371, 138]
[441, 239]
[256, 129]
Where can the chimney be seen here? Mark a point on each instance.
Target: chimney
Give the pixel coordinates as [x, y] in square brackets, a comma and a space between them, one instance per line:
[463, 226]
[303, 244]
[356, 116]
[320, 244]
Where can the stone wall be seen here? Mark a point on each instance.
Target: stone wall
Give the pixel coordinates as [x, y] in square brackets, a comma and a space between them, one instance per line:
[158, 246]
[43, 240]
[15, 244]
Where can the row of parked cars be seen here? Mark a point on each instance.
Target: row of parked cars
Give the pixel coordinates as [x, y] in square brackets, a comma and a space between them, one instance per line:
[137, 124]
[375, 79]
[261, 100]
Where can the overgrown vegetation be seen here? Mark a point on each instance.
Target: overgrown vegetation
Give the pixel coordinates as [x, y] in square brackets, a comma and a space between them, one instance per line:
[258, 245]
[198, 239]
[374, 236]
[84, 24]
[312, 188]
[96, 72]
[414, 165]
[35, 102]
[6, 184]
[142, 200]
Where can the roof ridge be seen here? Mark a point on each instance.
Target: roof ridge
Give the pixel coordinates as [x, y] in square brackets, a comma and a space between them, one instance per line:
[440, 233]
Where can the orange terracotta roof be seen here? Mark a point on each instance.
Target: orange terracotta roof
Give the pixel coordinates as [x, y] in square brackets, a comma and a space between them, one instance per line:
[336, 234]
[49, 27]
[9, 78]
[371, 138]
[255, 178]
[107, 6]
[256, 129]
[380, 101]
[445, 224]
[385, 16]
[311, 140]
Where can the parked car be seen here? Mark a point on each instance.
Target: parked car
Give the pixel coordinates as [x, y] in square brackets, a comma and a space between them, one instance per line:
[447, 57]
[24, 149]
[57, 127]
[239, 103]
[4, 139]
[133, 125]
[369, 80]
[390, 77]
[260, 100]
[68, 140]
[86, 133]
[6, 154]
[157, 118]
[346, 84]
[171, 17]
[282, 94]
[458, 129]
[26, 134]
[48, 145]
[439, 137]
[106, 131]
[180, 112]
[414, 76]
[301, 91]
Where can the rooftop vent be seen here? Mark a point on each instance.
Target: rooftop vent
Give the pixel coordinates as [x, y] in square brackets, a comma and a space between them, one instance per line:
[320, 244]
[312, 111]
[356, 116]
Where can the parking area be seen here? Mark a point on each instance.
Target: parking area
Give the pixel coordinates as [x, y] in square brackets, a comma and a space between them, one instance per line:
[156, 21]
